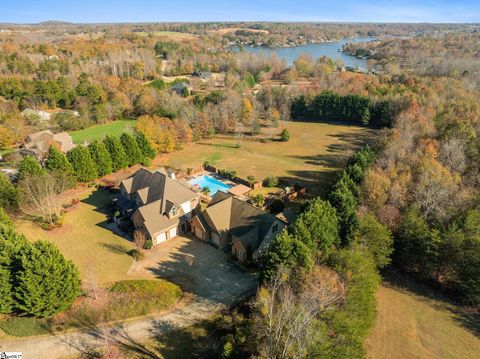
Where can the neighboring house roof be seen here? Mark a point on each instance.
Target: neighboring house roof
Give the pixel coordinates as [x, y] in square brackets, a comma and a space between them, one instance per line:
[202, 74]
[39, 142]
[161, 198]
[244, 222]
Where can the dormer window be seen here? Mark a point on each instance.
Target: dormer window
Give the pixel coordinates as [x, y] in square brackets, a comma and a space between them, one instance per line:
[174, 211]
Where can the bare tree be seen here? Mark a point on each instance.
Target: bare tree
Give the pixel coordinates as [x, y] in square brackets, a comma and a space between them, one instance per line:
[40, 196]
[139, 239]
[286, 313]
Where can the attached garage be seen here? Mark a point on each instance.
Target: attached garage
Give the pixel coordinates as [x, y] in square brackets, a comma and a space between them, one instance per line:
[198, 233]
[172, 232]
[162, 237]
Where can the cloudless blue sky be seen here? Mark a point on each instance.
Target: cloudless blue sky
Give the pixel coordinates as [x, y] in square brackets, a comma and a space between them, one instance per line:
[31, 11]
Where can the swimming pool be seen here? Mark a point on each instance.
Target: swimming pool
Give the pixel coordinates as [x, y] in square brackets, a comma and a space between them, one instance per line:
[210, 182]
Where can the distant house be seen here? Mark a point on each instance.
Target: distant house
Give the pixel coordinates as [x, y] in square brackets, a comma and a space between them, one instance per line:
[38, 143]
[160, 206]
[227, 220]
[181, 87]
[46, 115]
[204, 75]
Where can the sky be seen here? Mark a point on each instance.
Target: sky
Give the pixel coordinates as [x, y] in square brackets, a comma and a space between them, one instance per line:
[95, 11]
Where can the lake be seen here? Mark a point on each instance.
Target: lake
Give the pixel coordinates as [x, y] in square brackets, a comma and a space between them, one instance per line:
[329, 49]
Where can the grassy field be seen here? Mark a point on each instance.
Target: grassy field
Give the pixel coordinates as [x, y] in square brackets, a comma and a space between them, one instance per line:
[413, 323]
[311, 157]
[115, 128]
[85, 240]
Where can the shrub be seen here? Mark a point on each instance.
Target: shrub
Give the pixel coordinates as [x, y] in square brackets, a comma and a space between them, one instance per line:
[148, 244]
[284, 135]
[136, 254]
[270, 181]
[24, 326]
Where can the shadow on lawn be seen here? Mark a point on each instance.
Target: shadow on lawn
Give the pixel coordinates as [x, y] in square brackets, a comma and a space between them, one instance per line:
[469, 318]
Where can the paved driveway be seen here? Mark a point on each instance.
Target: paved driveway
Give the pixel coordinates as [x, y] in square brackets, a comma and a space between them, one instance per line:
[198, 268]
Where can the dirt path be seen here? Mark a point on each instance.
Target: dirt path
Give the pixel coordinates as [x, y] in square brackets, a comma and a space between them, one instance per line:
[128, 335]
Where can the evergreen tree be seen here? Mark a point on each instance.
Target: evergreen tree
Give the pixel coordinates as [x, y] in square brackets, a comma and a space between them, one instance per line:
[11, 245]
[145, 146]
[117, 153]
[130, 146]
[29, 166]
[376, 238]
[46, 283]
[57, 161]
[101, 158]
[285, 250]
[9, 198]
[83, 166]
[317, 227]
[4, 218]
[345, 203]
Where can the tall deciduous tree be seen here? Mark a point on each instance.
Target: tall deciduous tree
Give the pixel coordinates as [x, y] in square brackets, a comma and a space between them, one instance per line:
[46, 283]
[376, 238]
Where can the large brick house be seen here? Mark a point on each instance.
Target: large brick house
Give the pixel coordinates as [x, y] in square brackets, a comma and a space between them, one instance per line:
[160, 206]
[228, 220]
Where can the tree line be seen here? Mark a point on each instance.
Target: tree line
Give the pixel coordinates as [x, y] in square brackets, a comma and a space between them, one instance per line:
[40, 183]
[329, 106]
[341, 252]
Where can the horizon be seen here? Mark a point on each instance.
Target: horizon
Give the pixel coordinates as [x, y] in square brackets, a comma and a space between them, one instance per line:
[26, 12]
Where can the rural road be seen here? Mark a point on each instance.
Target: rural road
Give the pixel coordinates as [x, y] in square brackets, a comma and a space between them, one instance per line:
[128, 335]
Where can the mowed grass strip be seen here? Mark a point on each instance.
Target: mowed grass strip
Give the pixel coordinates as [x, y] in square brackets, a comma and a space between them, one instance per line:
[85, 239]
[417, 324]
[98, 132]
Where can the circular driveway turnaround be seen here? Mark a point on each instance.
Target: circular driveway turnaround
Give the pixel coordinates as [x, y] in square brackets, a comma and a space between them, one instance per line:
[206, 272]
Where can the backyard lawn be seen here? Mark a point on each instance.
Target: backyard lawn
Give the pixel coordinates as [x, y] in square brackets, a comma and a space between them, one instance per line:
[311, 156]
[84, 239]
[412, 322]
[115, 128]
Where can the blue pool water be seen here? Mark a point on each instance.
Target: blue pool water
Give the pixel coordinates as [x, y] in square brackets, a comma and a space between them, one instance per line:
[210, 182]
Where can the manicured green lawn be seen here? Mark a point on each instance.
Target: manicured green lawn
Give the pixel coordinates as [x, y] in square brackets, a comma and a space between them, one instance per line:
[115, 128]
[311, 157]
[413, 322]
[85, 240]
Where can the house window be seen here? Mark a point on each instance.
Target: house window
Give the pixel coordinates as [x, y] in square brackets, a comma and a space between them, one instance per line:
[174, 210]
[275, 228]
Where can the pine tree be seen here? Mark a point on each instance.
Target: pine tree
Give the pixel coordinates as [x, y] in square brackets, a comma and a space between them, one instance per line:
[11, 245]
[317, 227]
[345, 203]
[29, 166]
[82, 163]
[101, 158]
[117, 153]
[145, 146]
[9, 198]
[46, 283]
[57, 161]
[130, 146]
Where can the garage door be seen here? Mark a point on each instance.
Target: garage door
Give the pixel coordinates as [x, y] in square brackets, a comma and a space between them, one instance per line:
[162, 237]
[173, 232]
[215, 239]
